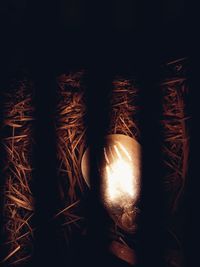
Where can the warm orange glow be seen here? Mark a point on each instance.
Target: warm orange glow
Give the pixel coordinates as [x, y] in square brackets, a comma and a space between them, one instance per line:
[119, 170]
[121, 182]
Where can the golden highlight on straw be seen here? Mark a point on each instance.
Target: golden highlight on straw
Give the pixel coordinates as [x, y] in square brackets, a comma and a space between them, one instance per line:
[175, 90]
[176, 136]
[124, 108]
[18, 198]
[121, 168]
[71, 143]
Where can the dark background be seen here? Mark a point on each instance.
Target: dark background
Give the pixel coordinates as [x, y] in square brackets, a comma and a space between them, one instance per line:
[50, 34]
[47, 38]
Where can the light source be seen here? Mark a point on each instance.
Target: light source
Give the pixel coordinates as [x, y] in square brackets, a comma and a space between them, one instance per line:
[120, 174]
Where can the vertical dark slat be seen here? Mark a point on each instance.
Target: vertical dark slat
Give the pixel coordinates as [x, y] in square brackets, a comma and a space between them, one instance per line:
[152, 202]
[191, 194]
[46, 187]
[98, 84]
[3, 84]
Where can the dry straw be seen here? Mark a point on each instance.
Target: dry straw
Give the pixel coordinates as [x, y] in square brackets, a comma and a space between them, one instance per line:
[176, 137]
[123, 119]
[18, 198]
[175, 91]
[124, 108]
[71, 144]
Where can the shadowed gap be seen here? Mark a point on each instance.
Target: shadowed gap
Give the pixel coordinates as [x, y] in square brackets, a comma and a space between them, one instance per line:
[99, 84]
[152, 243]
[47, 248]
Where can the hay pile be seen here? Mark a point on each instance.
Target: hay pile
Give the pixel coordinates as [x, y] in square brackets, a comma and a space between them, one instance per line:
[18, 198]
[123, 119]
[71, 144]
[124, 108]
[176, 137]
[175, 90]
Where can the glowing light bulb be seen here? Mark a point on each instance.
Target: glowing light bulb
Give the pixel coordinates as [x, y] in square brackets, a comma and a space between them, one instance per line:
[119, 180]
[120, 175]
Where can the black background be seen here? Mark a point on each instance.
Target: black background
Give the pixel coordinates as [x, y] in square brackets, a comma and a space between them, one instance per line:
[47, 34]
[47, 38]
